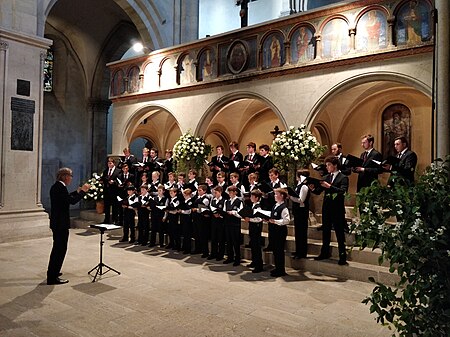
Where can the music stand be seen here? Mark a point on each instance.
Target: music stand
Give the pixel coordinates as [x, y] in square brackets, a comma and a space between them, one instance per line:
[99, 268]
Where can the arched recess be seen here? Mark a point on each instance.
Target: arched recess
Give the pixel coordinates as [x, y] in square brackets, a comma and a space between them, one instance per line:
[241, 117]
[155, 123]
[354, 108]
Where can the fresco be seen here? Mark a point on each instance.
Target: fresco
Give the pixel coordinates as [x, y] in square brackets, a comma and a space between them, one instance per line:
[302, 45]
[335, 39]
[273, 51]
[413, 25]
[371, 32]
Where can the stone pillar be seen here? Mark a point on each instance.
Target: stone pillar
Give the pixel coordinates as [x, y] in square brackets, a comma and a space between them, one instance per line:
[98, 110]
[390, 31]
[352, 33]
[318, 46]
[21, 102]
[442, 75]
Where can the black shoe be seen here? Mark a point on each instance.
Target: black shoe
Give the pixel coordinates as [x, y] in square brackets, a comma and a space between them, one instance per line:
[186, 252]
[211, 257]
[321, 257]
[204, 256]
[196, 252]
[59, 274]
[123, 240]
[169, 246]
[227, 261]
[236, 263]
[319, 228]
[57, 281]
[276, 273]
[219, 258]
[342, 262]
[257, 270]
[251, 265]
[151, 245]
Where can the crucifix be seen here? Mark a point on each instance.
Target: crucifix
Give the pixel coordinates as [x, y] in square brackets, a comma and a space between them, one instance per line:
[244, 11]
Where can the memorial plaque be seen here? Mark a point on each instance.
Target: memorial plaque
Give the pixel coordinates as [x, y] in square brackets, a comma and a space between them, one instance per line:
[23, 88]
[22, 118]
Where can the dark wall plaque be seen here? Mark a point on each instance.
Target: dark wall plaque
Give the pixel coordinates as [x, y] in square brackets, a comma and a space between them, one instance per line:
[23, 88]
[22, 117]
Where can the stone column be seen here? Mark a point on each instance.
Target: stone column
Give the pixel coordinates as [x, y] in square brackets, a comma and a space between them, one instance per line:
[442, 75]
[98, 110]
[390, 31]
[21, 213]
[318, 46]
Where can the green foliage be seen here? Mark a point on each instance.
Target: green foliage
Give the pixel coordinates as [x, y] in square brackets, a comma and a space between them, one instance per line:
[417, 246]
[190, 152]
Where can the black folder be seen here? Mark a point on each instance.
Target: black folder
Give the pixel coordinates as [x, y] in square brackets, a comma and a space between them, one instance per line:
[246, 212]
[352, 161]
[314, 181]
[292, 193]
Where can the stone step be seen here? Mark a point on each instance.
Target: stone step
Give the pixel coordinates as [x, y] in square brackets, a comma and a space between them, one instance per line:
[354, 270]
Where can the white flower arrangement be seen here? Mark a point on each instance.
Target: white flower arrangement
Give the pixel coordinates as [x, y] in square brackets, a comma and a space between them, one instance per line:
[191, 151]
[95, 192]
[296, 146]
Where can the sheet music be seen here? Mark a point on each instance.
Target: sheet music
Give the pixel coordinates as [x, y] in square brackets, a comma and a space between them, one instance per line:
[314, 165]
[162, 208]
[236, 163]
[259, 210]
[119, 198]
[105, 226]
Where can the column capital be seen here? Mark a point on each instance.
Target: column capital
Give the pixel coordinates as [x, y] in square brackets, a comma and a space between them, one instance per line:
[4, 45]
[98, 104]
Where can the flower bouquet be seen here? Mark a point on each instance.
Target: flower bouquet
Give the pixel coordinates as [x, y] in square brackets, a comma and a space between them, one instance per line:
[294, 148]
[191, 152]
[96, 191]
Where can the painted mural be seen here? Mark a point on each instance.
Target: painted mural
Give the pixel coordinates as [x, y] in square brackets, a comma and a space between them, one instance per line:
[413, 25]
[206, 65]
[273, 51]
[396, 123]
[133, 80]
[371, 31]
[302, 45]
[187, 70]
[335, 39]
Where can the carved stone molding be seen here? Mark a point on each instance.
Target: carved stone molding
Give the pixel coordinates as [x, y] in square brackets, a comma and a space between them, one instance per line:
[4, 45]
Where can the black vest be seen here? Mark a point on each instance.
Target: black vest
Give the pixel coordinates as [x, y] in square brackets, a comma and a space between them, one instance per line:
[276, 211]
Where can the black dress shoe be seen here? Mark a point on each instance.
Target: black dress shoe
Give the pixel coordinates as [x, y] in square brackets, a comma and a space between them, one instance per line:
[211, 257]
[57, 281]
[251, 265]
[219, 258]
[204, 256]
[342, 262]
[59, 274]
[321, 257]
[151, 245]
[236, 263]
[277, 273]
[228, 261]
[123, 240]
[257, 270]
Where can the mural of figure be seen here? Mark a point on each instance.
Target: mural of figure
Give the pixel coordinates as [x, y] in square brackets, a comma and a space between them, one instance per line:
[397, 126]
[336, 38]
[373, 28]
[275, 52]
[187, 73]
[302, 45]
[336, 41]
[207, 66]
[413, 24]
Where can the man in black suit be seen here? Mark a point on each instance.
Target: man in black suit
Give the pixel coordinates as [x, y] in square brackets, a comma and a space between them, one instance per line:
[128, 159]
[217, 163]
[61, 200]
[236, 158]
[335, 186]
[266, 163]
[168, 166]
[250, 163]
[336, 150]
[111, 190]
[406, 167]
[369, 171]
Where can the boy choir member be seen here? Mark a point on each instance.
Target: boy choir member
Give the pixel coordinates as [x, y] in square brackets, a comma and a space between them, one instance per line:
[233, 226]
[125, 179]
[192, 184]
[170, 183]
[201, 219]
[173, 229]
[129, 160]
[186, 220]
[111, 191]
[217, 163]
[234, 181]
[143, 212]
[368, 172]
[168, 165]
[158, 216]
[217, 207]
[250, 163]
[266, 163]
[255, 228]
[129, 204]
[335, 186]
[279, 218]
[236, 158]
[143, 180]
[153, 185]
[181, 183]
[209, 185]
[222, 184]
[274, 183]
[300, 211]
[406, 165]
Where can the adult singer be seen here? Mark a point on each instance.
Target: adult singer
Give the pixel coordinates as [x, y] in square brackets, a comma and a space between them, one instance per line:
[61, 200]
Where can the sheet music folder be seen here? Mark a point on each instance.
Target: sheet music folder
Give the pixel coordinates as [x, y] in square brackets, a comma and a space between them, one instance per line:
[105, 226]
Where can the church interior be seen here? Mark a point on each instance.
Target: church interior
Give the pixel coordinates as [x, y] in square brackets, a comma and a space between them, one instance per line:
[82, 80]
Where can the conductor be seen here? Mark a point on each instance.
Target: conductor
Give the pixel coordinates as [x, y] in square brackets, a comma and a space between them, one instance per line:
[60, 221]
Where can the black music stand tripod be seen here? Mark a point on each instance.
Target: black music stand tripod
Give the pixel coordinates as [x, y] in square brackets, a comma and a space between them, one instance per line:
[101, 266]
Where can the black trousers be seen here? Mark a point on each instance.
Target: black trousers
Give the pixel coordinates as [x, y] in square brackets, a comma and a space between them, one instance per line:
[217, 237]
[255, 229]
[202, 230]
[111, 204]
[157, 227]
[186, 227]
[59, 249]
[143, 226]
[129, 224]
[301, 215]
[233, 235]
[339, 224]
[270, 235]
[279, 242]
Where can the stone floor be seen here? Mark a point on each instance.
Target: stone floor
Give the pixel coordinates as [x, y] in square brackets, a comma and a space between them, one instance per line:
[161, 293]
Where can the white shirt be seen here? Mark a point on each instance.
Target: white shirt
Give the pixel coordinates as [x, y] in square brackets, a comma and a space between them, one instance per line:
[302, 197]
[285, 217]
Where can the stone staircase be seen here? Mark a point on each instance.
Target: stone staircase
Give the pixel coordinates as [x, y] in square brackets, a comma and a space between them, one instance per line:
[362, 264]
